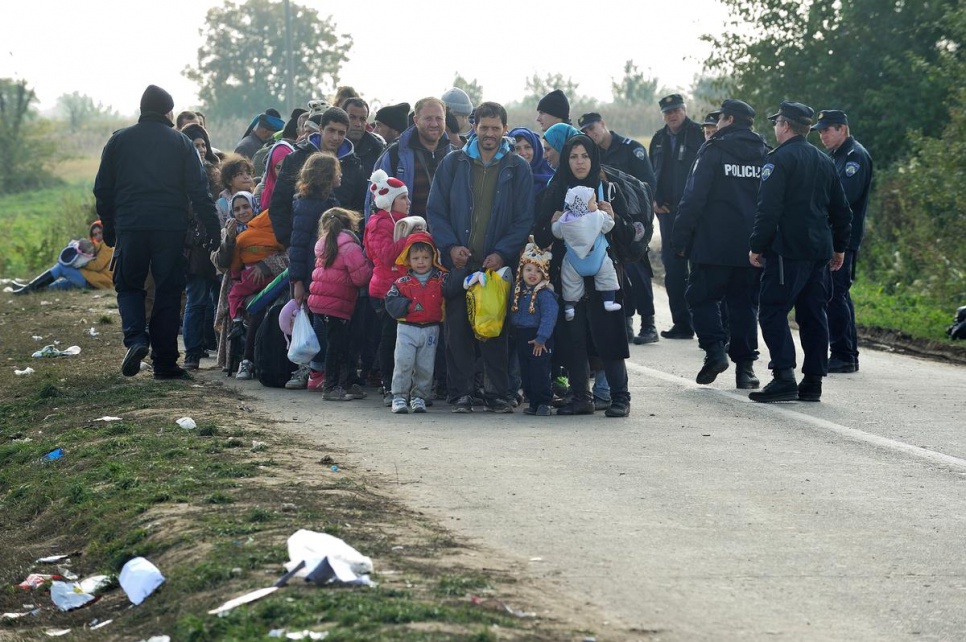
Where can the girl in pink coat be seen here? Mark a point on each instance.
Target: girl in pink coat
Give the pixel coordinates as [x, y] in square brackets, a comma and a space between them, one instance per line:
[340, 270]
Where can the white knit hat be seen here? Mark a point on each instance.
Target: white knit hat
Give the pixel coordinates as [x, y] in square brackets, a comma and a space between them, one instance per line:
[385, 189]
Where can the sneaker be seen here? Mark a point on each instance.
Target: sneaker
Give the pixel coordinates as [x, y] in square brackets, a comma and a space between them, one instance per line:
[417, 404]
[131, 365]
[577, 407]
[387, 399]
[399, 406]
[336, 394]
[618, 409]
[245, 370]
[463, 405]
[316, 382]
[192, 363]
[356, 392]
[530, 410]
[612, 306]
[299, 380]
[678, 332]
[543, 410]
[601, 404]
[499, 406]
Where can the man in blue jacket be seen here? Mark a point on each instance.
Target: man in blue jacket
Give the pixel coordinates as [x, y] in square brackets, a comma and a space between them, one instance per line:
[480, 214]
[149, 177]
[802, 229]
[714, 221]
[854, 166]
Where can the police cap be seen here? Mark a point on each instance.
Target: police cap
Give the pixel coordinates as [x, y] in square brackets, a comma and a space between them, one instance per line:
[589, 119]
[829, 117]
[671, 102]
[711, 119]
[733, 107]
[795, 112]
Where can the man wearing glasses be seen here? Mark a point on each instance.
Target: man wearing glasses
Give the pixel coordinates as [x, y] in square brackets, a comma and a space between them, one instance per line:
[802, 228]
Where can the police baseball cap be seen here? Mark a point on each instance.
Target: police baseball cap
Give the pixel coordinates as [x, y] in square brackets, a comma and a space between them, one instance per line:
[671, 102]
[796, 112]
[589, 119]
[829, 117]
[733, 107]
[711, 120]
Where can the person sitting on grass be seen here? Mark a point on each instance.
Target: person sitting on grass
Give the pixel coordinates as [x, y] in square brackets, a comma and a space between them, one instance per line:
[93, 270]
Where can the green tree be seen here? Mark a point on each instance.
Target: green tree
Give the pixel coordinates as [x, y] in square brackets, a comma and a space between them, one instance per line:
[241, 66]
[537, 88]
[634, 88]
[471, 87]
[880, 62]
[25, 144]
[77, 109]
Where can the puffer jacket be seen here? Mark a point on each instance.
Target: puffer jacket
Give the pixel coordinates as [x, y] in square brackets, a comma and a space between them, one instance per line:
[382, 251]
[97, 272]
[334, 289]
[257, 242]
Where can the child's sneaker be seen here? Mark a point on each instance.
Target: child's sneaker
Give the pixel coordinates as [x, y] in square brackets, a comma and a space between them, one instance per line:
[399, 405]
[356, 392]
[245, 370]
[336, 394]
[417, 404]
[569, 312]
[612, 306]
[316, 381]
[299, 380]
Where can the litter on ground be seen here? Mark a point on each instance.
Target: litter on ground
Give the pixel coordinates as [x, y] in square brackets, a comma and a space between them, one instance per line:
[52, 351]
[26, 371]
[139, 578]
[187, 423]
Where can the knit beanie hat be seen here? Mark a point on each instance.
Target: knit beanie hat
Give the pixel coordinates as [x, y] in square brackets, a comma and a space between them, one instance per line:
[558, 134]
[457, 101]
[578, 198]
[385, 189]
[395, 116]
[556, 104]
[157, 100]
[533, 255]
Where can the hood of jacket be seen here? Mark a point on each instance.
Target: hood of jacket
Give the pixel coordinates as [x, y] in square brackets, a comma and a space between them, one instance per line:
[740, 142]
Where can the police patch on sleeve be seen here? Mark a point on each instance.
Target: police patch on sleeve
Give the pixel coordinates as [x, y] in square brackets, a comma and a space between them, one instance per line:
[766, 171]
[640, 153]
[851, 168]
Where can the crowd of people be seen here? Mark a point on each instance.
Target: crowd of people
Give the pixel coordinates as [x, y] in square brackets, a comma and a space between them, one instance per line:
[383, 226]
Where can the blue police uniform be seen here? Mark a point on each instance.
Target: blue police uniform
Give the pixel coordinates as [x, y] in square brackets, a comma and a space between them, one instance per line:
[854, 166]
[802, 216]
[714, 221]
[672, 156]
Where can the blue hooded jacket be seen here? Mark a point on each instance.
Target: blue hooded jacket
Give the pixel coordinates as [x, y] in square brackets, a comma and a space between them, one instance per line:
[542, 172]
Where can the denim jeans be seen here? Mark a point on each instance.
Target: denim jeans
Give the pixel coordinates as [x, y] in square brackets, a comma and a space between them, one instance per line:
[198, 290]
[67, 278]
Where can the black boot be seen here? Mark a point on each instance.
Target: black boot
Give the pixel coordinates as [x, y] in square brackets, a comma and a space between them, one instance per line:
[715, 362]
[810, 389]
[745, 378]
[781, 388]
[648, 333]
[38, 283]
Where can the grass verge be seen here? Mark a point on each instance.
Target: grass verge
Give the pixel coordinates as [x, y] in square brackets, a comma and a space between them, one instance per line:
[211, 507]
[914, 314]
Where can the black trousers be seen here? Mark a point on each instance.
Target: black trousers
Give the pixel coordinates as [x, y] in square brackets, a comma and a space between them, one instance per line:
[843, 338]
[461, 345]
[534, 371]
[336, 352]
[712, 289]
[675, 274]
[804, 286]
[162, 253]
[387, 342]
[639, 295]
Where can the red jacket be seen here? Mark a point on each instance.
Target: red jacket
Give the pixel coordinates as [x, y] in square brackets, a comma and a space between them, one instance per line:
[410, 301]
[382, 251]
[334, 289]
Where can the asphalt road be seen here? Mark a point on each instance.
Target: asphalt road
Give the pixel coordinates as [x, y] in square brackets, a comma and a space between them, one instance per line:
[702, 516]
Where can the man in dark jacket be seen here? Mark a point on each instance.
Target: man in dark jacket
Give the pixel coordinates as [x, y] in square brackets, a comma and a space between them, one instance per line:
[714, 221]
[367, 146]
[480, 214]
[854, 166]
[673, 150]
[802, 228]
[262, 131]
[628, 155]
[150, 174]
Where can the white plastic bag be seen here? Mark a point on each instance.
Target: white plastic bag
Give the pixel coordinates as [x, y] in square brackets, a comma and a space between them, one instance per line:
[347, 564]
[305, 344]
[139, 578]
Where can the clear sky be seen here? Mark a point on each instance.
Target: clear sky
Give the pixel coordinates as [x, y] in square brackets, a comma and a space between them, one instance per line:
[112, 49]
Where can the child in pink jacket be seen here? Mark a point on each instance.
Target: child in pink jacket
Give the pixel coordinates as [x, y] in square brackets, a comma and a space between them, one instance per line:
[340, 270]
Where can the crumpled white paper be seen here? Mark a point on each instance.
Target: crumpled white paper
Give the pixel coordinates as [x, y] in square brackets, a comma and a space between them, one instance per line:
[68, 597]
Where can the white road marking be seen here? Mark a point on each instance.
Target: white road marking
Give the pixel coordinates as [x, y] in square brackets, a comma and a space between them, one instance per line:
[930, 456]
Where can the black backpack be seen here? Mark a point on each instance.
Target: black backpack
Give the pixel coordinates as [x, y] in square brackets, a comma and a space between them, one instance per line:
[272, 367]
[638, 196]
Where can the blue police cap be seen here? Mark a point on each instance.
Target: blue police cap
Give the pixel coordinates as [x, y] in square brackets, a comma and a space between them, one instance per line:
[711, 119]
[734, 107]
[829, 117]
[795, 112]
[671, 102]
[589, 119]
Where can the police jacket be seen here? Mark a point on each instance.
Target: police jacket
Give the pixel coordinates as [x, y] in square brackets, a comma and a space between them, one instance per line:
[450, 206]
[717, 212]
[628, 155]
[671, 166]
[149, 174]
[854, 166]
[802, 213]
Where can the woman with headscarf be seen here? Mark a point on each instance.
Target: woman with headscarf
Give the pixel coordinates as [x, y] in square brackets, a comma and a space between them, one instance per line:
[94, 273]
[199, 137]
[592, 328]
[528, 147]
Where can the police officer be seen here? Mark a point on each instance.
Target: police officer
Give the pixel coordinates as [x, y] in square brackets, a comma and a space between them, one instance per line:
[673, 150]
[628, 155]
[802, 228]
[710, 125]
[715, 218]
[854, 166]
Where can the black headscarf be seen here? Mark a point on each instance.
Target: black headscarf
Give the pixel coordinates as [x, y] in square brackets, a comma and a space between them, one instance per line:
[564, 172]
[193, 131]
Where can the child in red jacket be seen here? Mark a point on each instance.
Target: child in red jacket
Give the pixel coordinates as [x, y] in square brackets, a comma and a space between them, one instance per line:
[340, 270]
[416, 301]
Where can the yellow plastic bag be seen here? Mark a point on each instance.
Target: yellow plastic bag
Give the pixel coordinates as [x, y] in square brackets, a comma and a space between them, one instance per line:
[486, 305]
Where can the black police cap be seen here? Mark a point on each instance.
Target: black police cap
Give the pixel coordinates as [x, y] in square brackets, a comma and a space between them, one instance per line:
[733, 107]
[711, 119]
[589, 119]
[795, 112]
[829, 117]
[671, 102]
